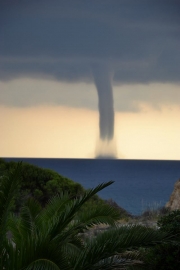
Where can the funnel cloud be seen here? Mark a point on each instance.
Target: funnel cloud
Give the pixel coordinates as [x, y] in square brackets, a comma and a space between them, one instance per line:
[102, 79]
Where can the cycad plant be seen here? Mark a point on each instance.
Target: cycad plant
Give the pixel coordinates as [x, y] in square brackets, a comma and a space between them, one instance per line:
[56, 237]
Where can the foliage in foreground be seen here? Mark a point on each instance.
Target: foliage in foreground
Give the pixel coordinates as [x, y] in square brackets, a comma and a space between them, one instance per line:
[52, 237]
[166, 256]
[170, 223]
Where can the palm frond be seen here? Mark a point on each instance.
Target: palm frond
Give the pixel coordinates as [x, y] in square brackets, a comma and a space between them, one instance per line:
[60, 219]
[42, 264]
[105, 214]
[132, 236]
[117, 241]
[71, 250]
[14, 228]
[24, 224]
[54, 206]
[28, 216]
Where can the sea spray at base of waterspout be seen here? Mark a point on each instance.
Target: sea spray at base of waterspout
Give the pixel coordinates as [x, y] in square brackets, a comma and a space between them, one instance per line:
[106, 149]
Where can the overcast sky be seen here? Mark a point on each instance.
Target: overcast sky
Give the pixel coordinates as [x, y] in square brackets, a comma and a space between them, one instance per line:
[48, 50]
[138, 39]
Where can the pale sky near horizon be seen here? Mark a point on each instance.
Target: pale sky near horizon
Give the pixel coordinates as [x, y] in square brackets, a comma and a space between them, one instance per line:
[48, 130]
[48, 98]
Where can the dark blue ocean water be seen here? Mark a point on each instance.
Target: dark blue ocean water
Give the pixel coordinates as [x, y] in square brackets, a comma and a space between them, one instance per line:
[138, 183]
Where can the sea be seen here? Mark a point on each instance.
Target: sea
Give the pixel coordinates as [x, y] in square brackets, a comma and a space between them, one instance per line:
[138, 184]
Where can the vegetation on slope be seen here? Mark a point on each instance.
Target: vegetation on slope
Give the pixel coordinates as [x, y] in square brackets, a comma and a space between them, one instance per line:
[41, 184]
[51, 237]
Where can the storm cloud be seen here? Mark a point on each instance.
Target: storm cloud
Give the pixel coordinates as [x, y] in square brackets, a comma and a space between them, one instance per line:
[138, 40]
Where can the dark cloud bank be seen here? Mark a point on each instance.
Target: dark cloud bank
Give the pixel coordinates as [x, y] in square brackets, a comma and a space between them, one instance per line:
[138, 41]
